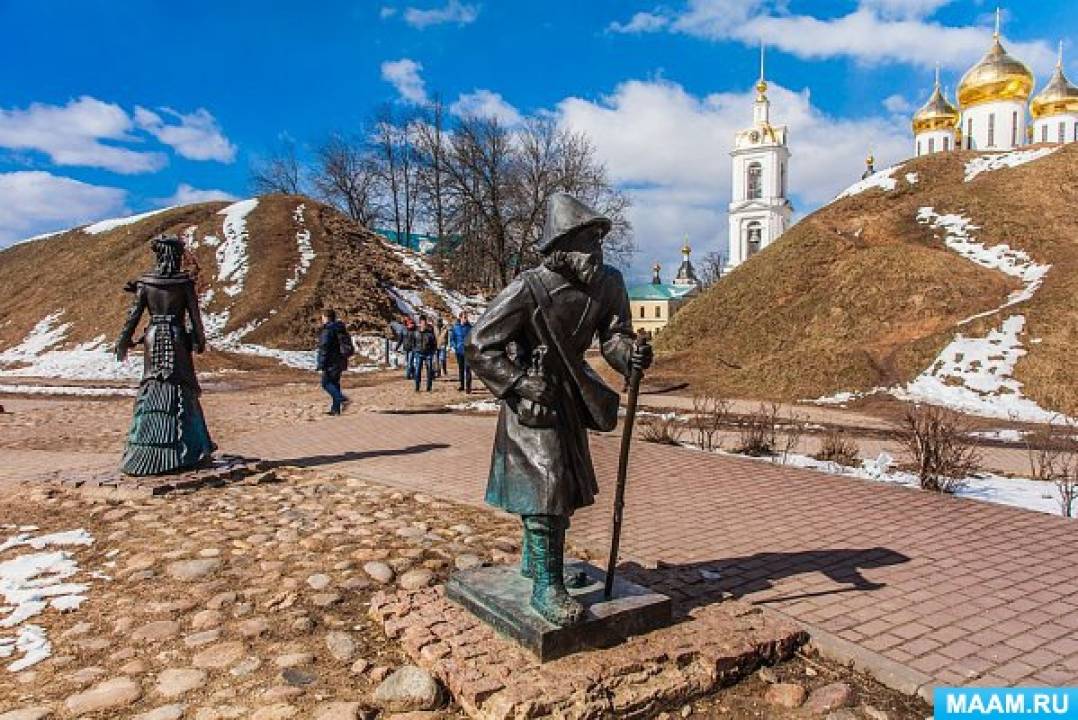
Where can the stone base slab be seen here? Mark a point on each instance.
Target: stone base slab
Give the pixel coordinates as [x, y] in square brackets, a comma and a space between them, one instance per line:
[493, 678]
[222, 470]
[500, 596]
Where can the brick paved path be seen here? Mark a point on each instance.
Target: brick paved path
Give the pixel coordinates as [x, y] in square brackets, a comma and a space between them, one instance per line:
[959, 590]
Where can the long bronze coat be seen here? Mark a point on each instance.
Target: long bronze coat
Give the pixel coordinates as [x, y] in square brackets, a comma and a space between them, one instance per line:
[548, 470]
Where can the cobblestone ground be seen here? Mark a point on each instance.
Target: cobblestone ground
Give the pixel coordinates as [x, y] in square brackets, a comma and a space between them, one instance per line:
[245, 601]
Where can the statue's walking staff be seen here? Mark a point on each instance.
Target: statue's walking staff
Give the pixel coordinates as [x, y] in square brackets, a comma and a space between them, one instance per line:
[623, 467]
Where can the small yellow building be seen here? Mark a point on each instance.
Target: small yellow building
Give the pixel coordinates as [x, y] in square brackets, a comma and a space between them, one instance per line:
[653, 304]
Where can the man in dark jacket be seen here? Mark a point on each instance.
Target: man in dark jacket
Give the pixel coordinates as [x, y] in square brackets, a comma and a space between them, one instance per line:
[425, 347]
[457, 336]
[331, 363]
[541, 467]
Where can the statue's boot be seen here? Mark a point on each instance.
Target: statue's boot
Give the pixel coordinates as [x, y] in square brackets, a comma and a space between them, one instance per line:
[549, 596]
[575, 579]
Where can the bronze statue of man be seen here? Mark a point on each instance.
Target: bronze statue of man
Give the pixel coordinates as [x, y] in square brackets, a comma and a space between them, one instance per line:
[541, 468]
[168, 432]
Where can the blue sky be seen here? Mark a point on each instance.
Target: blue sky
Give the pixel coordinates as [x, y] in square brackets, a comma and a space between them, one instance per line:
[114, 107]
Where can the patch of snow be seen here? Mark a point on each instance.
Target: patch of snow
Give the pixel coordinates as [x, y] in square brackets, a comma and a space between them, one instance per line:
[306, 250]
[232, 261]
[105, 225]
[31, 583]
[1003, 258]
[457, 302]
[988, 163]
[882, 179]
[66, 390]
[485, 406]
[93, 360]
[987, 487]
[1002, 434]
[911, 178]
[975, 375]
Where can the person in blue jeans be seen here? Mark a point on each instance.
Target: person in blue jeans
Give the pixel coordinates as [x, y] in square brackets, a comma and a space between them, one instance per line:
[424, 350]
[457, 335]
[331, 363]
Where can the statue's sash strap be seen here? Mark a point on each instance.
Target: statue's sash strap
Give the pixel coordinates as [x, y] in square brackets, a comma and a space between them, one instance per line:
[599, 402]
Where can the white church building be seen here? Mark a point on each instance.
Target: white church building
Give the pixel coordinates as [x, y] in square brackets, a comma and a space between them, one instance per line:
[759, 211]
[994, 107]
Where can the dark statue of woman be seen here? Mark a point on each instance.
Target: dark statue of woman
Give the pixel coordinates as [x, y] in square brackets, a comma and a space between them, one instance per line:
[168, 431]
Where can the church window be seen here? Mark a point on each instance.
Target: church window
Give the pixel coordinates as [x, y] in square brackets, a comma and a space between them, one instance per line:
[969, 134]
[1076, 132]
[642, 312]
[754, 184]
[1062, 132]
[931, 145]
[1044, 132]
[782, 179]
[991, 129]
[658, 311]
[1014, 129]
[918, 148]
[946, 144]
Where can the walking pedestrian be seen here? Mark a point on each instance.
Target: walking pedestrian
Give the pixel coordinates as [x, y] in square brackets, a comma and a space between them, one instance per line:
[426, 347]
[457, 337]
[334, 348]
[442, 334]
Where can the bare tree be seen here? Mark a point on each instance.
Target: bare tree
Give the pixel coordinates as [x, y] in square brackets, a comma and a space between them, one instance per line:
[397, 166]
[279, 172]
[432, 150]
[710, 267]
[346, 177]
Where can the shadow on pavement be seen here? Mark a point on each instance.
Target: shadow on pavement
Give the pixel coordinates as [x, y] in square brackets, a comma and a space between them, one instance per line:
[694, 584]
[352, 455]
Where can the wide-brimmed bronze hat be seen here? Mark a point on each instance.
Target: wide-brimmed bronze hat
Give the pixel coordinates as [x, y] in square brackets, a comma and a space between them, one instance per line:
[565, 216]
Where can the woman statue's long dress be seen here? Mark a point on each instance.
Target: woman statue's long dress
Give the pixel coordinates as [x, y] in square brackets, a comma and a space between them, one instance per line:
[168, 431]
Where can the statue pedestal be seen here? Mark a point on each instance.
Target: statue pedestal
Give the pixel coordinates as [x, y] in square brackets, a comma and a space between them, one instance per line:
[499, 596]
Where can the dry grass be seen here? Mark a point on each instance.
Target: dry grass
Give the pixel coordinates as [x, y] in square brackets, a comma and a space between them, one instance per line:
[859, 294]
[662, 430]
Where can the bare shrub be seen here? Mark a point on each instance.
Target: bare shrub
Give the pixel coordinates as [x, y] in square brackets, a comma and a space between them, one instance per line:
[758, 432]
[710, 413]
[793, 428]
[1053, 457]
[938, 442]
[664, 430]
[838, 448]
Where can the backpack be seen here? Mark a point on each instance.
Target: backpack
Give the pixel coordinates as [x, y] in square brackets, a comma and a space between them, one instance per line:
[344, 342]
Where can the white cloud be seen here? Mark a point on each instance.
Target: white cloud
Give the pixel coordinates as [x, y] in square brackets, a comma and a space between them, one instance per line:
[404, 75]
[487, 104]
[38, 202]
[386, 11]
[876, 31]
[453, 11]
[187, 195]
[898, 104]
[73, 134]
[670, 150]
[641, 22]
[196, 136]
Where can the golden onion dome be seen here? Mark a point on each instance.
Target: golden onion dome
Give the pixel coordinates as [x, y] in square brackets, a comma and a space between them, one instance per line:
[998, 76]
[1058, 96]
[936, 114]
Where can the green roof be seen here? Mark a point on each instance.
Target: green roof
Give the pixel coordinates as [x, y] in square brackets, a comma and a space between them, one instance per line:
[664, 291]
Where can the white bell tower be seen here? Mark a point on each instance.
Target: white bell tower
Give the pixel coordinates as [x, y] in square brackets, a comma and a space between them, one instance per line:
[759, 211]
